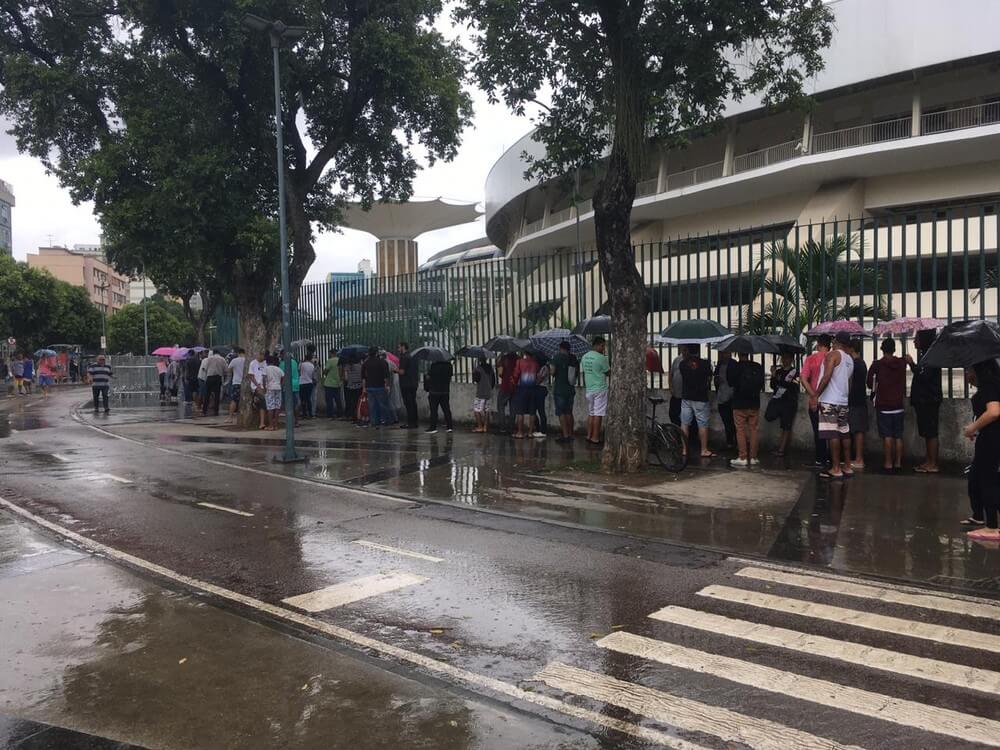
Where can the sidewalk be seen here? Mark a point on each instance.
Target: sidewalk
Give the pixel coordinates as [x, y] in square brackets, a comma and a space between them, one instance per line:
[900, 527]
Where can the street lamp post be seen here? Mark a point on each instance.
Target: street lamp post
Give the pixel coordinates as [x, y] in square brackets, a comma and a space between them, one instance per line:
[145, 321]
[278, 32]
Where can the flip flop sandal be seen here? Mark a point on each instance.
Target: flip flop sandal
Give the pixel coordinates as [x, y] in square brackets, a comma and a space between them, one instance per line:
[971, 522]
[831, 477]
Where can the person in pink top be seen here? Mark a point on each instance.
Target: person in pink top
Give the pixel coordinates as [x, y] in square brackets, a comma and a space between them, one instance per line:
[810, 375]
[45, 375]
[161, 370]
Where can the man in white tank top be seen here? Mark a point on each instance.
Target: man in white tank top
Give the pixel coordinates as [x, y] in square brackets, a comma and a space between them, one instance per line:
[834, 390]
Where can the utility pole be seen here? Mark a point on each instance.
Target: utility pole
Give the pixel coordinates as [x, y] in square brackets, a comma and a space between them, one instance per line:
[145, 321]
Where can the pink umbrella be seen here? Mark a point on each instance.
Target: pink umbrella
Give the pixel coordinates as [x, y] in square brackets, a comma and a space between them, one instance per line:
[834, 327]
[164, 351]
[393, 361]
[901, 326]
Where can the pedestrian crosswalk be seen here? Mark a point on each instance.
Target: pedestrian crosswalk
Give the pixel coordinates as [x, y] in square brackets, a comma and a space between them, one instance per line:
[944, 725]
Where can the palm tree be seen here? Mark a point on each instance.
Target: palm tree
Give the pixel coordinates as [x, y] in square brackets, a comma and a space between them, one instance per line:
[989, 282]
[451, 320]
[794, 288]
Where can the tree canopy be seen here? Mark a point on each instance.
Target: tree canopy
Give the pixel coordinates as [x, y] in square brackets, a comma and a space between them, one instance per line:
[117, 98]
[614, 75]
[39, 310]
[126, 334]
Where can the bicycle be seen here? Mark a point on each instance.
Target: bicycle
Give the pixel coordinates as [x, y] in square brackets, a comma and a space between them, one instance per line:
[666, 441]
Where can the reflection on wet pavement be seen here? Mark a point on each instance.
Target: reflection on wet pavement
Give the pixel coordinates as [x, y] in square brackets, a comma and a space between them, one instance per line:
[93, 648]
[899, 526]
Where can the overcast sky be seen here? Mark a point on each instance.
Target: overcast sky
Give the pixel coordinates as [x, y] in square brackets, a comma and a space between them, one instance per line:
[45, 214]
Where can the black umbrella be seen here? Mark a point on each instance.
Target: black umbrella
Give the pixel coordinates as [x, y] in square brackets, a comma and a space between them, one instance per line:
[353, 353]
[599, 325]
[964, 344]
[475, 352]
[431, 354]
[785, 343]
[547, 342]
[506, 344]
[747, 345]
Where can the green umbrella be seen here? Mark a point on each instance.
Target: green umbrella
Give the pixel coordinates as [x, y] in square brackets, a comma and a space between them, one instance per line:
[694, 331]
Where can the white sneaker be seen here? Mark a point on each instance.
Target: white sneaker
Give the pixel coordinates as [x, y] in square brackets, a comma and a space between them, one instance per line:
[538, 434]
[754, 462]
[740, 463]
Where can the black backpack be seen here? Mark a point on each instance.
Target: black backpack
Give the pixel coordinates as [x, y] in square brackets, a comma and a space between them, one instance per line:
[751, 380]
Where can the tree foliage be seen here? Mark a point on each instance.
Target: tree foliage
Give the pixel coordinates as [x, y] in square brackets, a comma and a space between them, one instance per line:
[38, 310]
[617, 73]
[794, 288]
[162, 113]
[126, 334]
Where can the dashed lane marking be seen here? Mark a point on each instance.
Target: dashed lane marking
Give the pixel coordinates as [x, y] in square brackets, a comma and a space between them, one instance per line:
[60, 457]
[387, 650]
[944, 672]
[843, 616]
[842, 697]
[352, 591]
[397, 551]
[867, 591]
[213, 506]
[683, 713]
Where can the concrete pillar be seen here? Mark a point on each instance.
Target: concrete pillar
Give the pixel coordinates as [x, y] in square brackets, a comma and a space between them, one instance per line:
[661, 173]
[730, 153]
[547, 208]
[807, 131]
[917, 111]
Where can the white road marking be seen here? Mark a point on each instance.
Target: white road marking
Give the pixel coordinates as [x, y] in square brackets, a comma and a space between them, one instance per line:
[842, 697]
[683, 713]
[352, 591]
[398, 551]
[121, 480]
[957, 675]
[893, 586]
[843, 616]
[60, 457]
[434, 666]
[213, 506]
[867, 591]
[250, 469]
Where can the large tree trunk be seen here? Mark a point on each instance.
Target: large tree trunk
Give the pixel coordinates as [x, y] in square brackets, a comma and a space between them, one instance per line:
[258, 333]
[625, 424]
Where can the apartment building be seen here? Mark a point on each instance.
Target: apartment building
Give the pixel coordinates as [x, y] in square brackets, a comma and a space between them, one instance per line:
[107, 288]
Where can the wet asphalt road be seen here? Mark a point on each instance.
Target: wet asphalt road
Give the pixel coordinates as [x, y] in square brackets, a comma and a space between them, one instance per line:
[507, 598]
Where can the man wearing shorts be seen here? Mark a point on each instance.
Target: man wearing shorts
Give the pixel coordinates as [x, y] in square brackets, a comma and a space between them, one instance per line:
[595, 366]
[563, 390]
[887, 378]
[237, 367]
[833, 392]
[696, 376]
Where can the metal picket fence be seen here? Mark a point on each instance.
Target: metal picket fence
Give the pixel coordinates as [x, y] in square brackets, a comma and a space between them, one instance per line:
[784, 278]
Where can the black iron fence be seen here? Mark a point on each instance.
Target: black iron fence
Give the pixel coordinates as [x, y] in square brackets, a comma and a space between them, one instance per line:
[939, 263]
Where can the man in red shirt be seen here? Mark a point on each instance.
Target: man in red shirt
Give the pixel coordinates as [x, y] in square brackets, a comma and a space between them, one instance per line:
[810, 381]
[887, 378]
[507, 378]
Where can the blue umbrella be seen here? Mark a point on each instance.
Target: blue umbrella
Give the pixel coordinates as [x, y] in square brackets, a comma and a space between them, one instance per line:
[46, 353]
[547, 342]
[353, 353]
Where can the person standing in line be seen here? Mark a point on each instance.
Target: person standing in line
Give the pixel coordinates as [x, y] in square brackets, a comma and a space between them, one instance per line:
[526, 376]
[291, 411]
[273, 377]
[202, 380]
[376, 372]
[408, 382]
[237, 369]
[595, 368]
[811, 369]
[724, 396]
[926, 397]
[307, 374]
[17, 371]
[162, 365]
[747, 380]
[984, 474]
[563, 367]
[215, 370]
[857, 405]
[29, 374]
[541, 393]
[258, 384]
[100, 375]
[192, 363]
[439, 395]
[833, 393]
[45, 375]
[353, 384]
[332, 381]
[784, 403]
[696, 376]
[485, 380]
[507, 378]
[74, 369]
[887, 378]
[676, 385]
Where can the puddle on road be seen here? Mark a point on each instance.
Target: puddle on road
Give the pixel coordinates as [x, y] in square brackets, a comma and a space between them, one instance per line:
[20, 421]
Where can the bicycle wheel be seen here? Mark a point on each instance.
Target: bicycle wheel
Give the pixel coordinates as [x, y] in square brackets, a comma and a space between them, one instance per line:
[666, 442]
